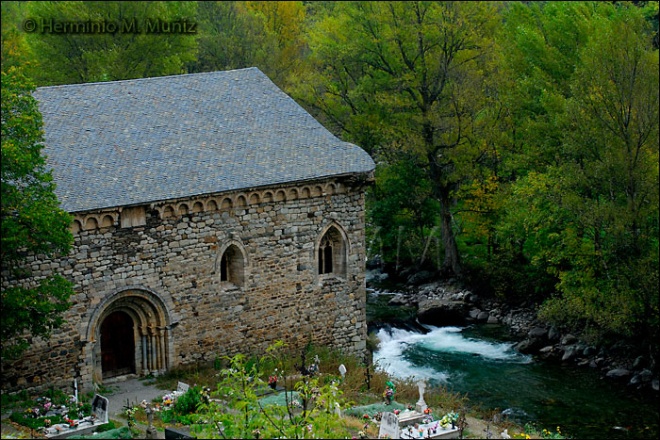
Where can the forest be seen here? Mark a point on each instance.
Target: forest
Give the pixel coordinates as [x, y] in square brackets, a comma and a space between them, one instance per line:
[516, 142]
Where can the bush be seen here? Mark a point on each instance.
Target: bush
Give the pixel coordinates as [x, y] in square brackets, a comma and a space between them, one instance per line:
[187, 403]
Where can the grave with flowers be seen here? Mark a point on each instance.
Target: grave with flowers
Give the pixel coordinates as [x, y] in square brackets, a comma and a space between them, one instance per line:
[77, 424]
[416, 422]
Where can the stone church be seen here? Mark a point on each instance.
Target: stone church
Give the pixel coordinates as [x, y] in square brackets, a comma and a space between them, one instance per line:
[212, 215]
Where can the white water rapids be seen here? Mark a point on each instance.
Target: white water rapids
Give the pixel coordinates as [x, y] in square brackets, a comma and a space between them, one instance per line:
[391, 354]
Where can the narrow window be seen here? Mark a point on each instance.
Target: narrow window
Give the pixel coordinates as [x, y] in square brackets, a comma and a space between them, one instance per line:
[332, 253]
[231, 266]
[325, 256]
[224, 269]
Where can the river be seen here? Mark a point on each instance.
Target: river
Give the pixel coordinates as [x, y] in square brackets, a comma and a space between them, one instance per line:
[479, 361]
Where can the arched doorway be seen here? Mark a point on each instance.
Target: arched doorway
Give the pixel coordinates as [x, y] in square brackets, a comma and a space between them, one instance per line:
[117, 345]
[130, 333]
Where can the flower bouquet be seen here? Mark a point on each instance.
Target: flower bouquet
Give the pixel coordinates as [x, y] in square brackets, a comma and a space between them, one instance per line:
[167, 401]
[388, 394]
[449, 419]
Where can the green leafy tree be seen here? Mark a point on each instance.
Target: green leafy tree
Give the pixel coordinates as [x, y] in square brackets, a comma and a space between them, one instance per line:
[236, 411]
[32, 222]
[131, 52]
[15, 51]
[580, 211]
[232, 36]
[401, 207]
[407, 76]
[607, 259]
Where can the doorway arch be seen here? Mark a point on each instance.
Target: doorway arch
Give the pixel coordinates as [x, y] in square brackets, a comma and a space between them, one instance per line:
[130, 334]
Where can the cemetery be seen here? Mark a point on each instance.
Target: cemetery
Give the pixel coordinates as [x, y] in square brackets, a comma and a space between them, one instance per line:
[309, 398]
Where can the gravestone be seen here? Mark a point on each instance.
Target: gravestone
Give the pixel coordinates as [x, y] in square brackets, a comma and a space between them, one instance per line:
[100, 406]
[182, 388]
[389, 426]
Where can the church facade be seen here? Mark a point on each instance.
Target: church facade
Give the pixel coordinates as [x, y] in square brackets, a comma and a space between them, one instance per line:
[213, 216]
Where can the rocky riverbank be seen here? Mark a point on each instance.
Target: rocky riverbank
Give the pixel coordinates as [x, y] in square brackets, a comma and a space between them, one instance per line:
[448, 303]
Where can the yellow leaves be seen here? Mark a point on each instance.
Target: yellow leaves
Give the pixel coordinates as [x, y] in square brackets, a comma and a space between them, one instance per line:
[481, 195]
[285, 19]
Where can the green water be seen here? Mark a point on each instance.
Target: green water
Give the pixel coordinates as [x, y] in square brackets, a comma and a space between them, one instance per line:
[479, 362]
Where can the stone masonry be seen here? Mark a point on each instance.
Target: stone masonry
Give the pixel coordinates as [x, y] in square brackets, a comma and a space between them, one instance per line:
[162, 265]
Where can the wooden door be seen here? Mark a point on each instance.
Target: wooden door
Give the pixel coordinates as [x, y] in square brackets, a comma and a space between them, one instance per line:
[117, 345]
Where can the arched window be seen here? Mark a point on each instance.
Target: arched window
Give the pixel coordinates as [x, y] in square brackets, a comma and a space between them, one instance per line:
[331, 253]
[232, 266]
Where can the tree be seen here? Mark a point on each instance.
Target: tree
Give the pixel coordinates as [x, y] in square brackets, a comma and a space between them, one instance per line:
[283, 20]
[138, 49]
[609, 184]
[582, 203]
[400, 204]
[407, 75]
[15, 51]
[232, 37]
[310, 410]
[32, 222]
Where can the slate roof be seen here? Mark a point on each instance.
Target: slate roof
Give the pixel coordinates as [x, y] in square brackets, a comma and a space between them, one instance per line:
[139, 141]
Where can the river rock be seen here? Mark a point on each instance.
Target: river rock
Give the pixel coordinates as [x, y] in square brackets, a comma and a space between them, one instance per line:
[553, 334]
[618, 373]
[569, 353]
[568, 339]
[472, 298]
[538, 333]
[420, 277]
[640, 362]
[492, 319]
[442, 312]
[400, 299]
[528, 346]
[641, 378]
[483, 316]
[549, 353]
[588, 351]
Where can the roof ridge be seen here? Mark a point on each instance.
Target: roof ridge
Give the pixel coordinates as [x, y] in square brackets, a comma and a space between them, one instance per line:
[151, 78]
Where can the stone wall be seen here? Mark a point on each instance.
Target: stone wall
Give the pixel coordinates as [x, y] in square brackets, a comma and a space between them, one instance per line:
[162, 264]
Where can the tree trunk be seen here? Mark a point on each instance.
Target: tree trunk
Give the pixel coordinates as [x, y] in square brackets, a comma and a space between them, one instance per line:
[442, 193]
[452, 263]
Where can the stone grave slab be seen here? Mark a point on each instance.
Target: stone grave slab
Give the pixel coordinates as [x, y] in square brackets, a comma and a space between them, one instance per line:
[100, 406]
[389, 426]
[409, 417]
[429, 430]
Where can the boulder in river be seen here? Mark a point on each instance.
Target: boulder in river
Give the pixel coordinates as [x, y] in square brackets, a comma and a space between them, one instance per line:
[441, 312]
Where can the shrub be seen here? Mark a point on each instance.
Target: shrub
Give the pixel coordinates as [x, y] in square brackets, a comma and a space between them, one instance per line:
[187, 402]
